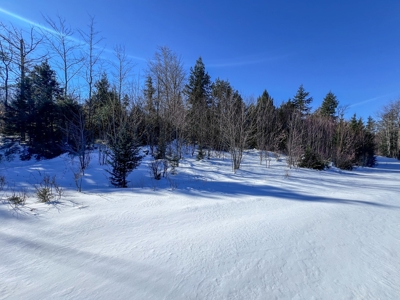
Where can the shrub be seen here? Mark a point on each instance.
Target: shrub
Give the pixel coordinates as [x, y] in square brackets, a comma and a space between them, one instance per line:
[10, 150]
[312, 160]
[17, 198]
[344, 161]
[48, 189]
[3, 182]
[200, 154]
[155, 168]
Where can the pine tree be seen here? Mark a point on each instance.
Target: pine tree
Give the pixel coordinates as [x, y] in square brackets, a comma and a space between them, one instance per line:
[329, 105]
[124, 157]
[301, 101]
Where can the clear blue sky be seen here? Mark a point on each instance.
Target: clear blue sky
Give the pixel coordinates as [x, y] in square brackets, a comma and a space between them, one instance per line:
[349, 47]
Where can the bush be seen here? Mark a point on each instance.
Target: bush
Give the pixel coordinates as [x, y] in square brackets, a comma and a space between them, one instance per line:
[26, 154]
[344, 164]
[155, 168]
[17, 198]
[48, 189]
[200, 154]
[172, 159]
[10, 150]
[312, 160]
[3, 182]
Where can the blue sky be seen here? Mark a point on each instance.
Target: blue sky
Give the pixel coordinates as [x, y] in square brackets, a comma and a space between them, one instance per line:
[351, 48]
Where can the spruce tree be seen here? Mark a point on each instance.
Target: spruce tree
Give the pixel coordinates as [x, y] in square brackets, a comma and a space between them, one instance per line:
[45, 131]
[263, 122]
[151, 115]
[124, 157]
[198, 91]
[371, 125]
[329, 105]
[103, 108]
[35, 114]
[301, 101]
[16, 111]
[370, 144]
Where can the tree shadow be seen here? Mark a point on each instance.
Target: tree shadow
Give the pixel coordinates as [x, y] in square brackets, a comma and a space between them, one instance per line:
[215, 189]
[112, 270]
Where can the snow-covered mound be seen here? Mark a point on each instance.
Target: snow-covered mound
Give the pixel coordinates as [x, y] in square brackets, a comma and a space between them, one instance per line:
[205, 233]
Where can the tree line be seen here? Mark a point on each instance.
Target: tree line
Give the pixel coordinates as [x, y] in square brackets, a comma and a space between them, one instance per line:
[59, 95]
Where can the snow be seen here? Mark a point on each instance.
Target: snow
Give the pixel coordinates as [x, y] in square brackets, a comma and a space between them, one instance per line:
[205, 233]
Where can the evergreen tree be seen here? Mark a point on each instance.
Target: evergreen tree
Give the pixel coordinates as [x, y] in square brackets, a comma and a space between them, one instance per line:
[151, 108]
[103, 108]
[363, 142]
[124, 157]
[36, 113]
[264, 102]
[198, 91]
[369, 159]
[221, 93]
[371, 125]
[329, 105]
[264, 123]
[301, 101]
[285, 114]
[357, 127]
[45, 131]
[16, 111]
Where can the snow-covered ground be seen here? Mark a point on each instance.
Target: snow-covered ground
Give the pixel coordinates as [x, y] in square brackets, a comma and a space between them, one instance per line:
[205, 233]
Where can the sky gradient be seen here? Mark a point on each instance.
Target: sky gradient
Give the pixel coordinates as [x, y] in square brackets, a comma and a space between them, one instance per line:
[351, 48]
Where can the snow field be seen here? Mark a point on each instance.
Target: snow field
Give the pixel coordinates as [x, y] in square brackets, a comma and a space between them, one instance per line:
[211, 234]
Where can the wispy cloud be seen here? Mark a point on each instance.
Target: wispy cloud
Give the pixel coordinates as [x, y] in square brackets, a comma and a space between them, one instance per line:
[247, 61]
[50, 30]
[372, 99]
[26, 21]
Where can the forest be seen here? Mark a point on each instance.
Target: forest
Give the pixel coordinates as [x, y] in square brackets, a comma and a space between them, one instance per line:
[60, 95]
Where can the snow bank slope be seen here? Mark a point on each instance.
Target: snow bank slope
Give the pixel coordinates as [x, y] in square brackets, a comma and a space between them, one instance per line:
[252, 235]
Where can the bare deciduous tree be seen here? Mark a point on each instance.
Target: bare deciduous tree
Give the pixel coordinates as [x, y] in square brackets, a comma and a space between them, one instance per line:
[234, 125]
[78, 139]
[122, 67]
[168, 77]
[6, 57]
[66, 47]
[21, 46]
[294, 146]
[92, 52]
[389, 129]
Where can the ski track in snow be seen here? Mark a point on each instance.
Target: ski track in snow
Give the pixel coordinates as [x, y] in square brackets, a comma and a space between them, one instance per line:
[218, 235]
